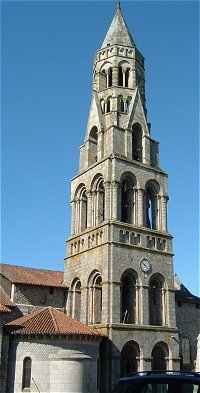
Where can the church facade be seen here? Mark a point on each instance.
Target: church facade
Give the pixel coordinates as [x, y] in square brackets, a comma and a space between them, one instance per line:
[119, 267]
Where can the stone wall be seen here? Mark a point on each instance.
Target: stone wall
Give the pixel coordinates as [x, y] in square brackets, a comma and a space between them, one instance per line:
[188, 322]
[58, 365]
[27, 296]
[6, 285]
[146, 337]
[4, 344]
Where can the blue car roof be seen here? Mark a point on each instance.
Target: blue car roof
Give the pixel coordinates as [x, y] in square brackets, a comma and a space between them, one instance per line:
[159, 376]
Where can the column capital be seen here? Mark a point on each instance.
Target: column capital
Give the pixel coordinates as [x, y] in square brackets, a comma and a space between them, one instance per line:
[107, 183]
[164, 196]
[145, 286]
[89, 193]
[115, 183]
[147, 359]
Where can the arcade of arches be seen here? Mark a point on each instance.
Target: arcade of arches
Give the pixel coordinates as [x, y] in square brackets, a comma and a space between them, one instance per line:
[94, 298]
[130, 358]
[108, 77]
[141, 207]
[130, 299]
[131, 295]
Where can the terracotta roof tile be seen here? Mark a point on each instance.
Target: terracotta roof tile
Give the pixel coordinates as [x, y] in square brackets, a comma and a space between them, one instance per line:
[5, 302]
[4, 298]
[4, 308]
[50, 321]
[32, 276]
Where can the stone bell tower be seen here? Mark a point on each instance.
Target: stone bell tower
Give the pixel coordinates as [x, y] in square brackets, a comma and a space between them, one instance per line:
[119, 267]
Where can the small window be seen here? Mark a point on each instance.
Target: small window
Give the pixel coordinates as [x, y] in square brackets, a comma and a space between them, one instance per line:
[179, 304]
[127, 77]
[26, 376]
[120, 77]
[103, 106]
[110, 77]
[108, 107]
[121, 104]
[137, 142]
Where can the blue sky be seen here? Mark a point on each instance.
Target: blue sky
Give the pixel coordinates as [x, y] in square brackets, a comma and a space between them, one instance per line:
[47, 51]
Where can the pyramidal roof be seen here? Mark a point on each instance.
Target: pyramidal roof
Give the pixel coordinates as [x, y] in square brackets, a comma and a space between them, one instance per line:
[50, 321]
[118, 32]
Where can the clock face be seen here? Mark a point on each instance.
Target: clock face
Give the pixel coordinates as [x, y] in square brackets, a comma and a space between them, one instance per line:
[145, 265]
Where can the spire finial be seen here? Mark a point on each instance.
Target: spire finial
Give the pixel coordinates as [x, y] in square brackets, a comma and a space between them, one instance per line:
[118, 6]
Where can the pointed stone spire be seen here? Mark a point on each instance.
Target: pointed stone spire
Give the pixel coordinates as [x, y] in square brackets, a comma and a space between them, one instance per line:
[118, 32]
[118, 5]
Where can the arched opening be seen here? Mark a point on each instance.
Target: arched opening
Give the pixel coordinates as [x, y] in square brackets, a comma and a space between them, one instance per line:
[130, 357]
[80, 209]
[127, 73]
[151, 201]
[126, 104]
[76, 300]
[95, 299]
[120, 76]
[121, 104]
[102, 80]
[101, 202]
[83, 210]
[156, 301]
[109, 77]
[108, 105]
[128, 297]
[128, 199]
[137, 142]
[103, 106]
[98, 200]
[26, 374]
[93, 145]
[160, 355]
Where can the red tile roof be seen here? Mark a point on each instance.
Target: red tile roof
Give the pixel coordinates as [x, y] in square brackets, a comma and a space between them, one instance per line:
[4, 298]
[32, 276]
[5, 302]
[49, 321]
[4, 308]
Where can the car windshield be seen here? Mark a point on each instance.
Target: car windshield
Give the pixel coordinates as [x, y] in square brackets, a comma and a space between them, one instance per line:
[172, 387]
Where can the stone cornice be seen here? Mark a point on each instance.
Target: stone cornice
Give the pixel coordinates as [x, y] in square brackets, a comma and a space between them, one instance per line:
[135, 164]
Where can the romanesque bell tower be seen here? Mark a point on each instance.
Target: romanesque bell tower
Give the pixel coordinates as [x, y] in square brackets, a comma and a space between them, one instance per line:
[119, 267]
